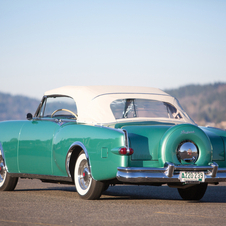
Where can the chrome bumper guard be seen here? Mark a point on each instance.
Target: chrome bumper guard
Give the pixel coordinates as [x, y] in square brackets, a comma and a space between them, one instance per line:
[169, 174]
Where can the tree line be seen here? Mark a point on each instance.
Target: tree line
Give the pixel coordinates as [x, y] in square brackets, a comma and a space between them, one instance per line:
[204, 103]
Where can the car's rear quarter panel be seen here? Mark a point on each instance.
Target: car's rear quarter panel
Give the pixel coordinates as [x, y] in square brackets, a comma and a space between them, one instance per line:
[145, 142]
[218, 141]
[148, 143]
[98, 141]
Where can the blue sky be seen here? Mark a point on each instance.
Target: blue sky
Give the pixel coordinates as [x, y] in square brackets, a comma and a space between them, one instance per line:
[46, 44]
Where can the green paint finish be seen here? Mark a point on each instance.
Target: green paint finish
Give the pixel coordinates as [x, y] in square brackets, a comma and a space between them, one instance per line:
[9, 133]
[145, 141]
[40, 147]
[217, 144]
[142, 163]
[141, 123]
[217, 131]
[94, 139]
[104, 152]
[222, 153]
[177, 134]
[35, 147]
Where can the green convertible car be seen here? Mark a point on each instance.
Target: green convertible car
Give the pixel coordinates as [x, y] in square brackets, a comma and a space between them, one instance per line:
[99, 135]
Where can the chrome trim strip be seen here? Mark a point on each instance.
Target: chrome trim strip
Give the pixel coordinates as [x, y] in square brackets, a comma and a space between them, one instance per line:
[54, 119]
[169, 173]
[107, 127]
[67, 161]
[60, 122]
[68, 157]
[44, 177]
[126, 138]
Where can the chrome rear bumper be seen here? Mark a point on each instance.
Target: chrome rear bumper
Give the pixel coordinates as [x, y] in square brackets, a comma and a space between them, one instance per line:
[169, 174]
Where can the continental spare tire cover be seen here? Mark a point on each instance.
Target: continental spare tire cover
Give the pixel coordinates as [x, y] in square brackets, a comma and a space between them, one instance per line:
[174, 136]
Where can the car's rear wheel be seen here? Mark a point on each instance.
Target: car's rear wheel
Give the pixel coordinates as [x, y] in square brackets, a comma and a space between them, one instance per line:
[7, 183]
[86, 186]
[195, 192]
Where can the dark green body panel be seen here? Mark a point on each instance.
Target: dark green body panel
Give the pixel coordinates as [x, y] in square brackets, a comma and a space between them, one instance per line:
[156, 143]
[41, 147]
[218, 141]
[35, 147]
[98, 141]
[145, 142]
[9, 138]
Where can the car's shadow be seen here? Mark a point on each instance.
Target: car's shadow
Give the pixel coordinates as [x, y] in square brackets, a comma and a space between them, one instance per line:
[214, 194]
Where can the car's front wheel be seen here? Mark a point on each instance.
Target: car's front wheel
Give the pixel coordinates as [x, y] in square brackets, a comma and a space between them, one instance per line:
[86, 186]
[7, 183]
[195, 192]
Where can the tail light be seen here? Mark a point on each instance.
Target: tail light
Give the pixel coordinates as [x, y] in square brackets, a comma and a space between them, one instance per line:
[126, 151]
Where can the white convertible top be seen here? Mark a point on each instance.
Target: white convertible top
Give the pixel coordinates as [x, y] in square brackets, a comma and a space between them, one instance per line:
[93, 102]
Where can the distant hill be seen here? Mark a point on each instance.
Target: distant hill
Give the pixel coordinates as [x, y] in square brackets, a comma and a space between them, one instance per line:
[205, 104]
[16, 107]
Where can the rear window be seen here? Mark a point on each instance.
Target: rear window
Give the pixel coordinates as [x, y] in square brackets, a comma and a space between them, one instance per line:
[132, 108]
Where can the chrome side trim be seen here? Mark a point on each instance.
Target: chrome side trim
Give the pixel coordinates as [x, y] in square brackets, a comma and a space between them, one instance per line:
[169, 173]
[55, 120]
[67, 163]
[68, 157]
[126, 138]
[43, 177]
[107, 127]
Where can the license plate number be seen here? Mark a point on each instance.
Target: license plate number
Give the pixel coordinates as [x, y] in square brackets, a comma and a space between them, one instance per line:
[192, 176]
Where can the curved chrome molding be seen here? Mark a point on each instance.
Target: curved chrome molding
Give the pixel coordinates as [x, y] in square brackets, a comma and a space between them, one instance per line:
[126, 138]
[169, 173]
[68, 157]
[107, 127]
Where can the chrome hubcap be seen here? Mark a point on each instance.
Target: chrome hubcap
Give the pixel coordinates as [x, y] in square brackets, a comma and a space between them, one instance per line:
[84, 175]
[188, 152]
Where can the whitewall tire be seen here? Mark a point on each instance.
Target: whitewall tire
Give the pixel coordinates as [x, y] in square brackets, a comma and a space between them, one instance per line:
[86, 186]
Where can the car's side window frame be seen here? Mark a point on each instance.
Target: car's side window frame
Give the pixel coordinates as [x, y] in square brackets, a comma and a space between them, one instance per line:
[43, 101]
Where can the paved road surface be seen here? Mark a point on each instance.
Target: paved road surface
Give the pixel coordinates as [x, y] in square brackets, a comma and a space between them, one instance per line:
[36, 203]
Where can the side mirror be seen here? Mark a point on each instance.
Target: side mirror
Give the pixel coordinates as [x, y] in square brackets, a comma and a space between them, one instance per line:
[29, 116]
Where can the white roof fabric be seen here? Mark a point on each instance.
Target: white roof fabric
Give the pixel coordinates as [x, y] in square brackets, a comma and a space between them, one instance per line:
[93, 102]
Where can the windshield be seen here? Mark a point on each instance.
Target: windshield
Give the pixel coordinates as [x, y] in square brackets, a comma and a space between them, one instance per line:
[132, 108]
[58, 106]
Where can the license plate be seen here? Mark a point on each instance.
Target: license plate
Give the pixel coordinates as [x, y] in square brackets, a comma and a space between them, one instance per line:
[192, 176]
